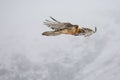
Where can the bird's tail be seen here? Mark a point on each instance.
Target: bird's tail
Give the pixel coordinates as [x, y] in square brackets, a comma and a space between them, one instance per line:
[51, 33]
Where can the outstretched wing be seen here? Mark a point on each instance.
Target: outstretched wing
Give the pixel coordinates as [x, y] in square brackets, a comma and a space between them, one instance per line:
[56, 25]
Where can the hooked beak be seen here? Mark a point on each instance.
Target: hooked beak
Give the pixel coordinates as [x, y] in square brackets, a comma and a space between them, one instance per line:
[95, 30]
[90, 32]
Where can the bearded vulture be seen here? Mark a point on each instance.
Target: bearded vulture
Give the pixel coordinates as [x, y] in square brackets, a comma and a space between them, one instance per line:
[59, 28]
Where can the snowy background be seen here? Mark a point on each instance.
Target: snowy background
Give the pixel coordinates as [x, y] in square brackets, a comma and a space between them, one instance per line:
[27, 55]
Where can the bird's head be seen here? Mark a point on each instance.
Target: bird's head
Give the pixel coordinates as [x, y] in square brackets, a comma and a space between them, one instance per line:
[87, 31]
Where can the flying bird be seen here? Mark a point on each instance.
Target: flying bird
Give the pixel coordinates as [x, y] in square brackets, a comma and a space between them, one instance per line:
[59, 28]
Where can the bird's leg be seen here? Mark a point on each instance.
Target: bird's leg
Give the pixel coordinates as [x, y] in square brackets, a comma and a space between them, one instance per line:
[76, 34]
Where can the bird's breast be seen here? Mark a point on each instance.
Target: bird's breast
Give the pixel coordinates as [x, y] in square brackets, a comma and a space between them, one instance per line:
[71, 31]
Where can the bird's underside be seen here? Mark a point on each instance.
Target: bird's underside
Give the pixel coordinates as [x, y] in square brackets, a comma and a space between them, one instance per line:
[66, 28]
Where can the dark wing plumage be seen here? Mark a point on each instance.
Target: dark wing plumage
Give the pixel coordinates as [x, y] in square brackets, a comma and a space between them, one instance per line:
[56, 25]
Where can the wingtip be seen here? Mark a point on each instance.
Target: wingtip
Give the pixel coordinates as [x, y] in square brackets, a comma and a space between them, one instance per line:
[51, 17]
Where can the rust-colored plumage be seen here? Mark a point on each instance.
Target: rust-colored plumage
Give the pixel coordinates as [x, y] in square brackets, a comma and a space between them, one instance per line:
[66, 28]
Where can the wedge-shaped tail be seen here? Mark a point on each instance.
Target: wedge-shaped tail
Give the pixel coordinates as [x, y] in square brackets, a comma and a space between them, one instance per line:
[51, 33]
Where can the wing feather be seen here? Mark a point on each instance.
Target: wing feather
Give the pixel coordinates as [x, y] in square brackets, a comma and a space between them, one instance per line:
[57, 25]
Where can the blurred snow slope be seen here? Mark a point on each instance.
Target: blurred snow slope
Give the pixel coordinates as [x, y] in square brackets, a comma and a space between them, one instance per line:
[27, 55]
